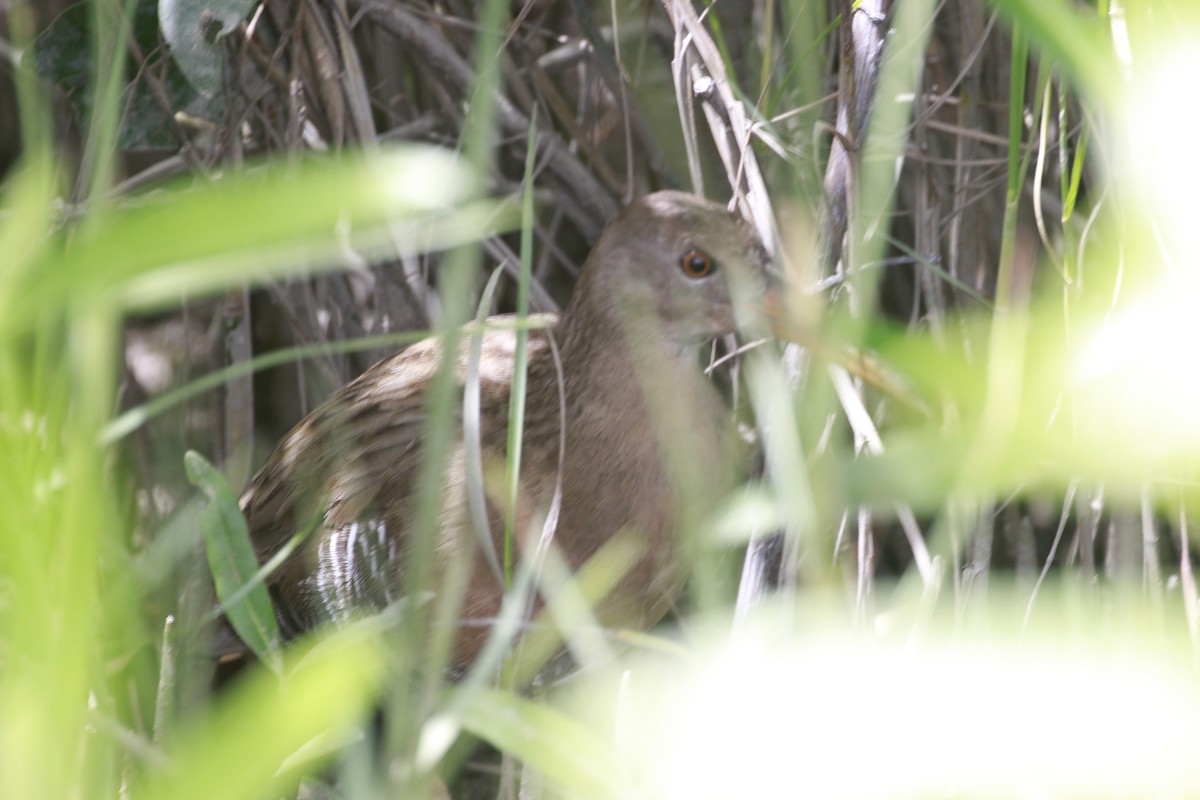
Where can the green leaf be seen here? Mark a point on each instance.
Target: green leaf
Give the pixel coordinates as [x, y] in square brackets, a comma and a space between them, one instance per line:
[193, 29]
[233, 563]
[62, 54]
[275, 220]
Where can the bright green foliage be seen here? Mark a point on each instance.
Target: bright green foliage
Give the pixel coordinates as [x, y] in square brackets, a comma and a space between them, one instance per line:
[1077, 383]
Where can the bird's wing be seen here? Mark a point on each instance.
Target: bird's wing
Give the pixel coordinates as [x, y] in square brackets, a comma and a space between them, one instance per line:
[345, 472]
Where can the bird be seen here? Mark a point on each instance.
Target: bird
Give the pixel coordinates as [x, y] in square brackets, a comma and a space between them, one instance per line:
[622, 427]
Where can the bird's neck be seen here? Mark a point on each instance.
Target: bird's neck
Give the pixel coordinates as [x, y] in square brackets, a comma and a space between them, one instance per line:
[606, 353]
[637, 387]
[648, 448]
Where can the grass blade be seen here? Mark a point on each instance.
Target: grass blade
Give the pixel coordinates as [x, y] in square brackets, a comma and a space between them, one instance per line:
[233, 563]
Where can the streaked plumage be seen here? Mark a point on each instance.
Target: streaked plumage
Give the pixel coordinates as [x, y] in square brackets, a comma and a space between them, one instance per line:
[629, 344]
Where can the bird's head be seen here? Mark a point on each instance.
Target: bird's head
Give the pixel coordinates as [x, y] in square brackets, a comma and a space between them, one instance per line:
[676, 267]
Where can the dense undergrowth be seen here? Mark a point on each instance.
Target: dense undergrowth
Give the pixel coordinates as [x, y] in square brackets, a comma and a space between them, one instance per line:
[973, 519]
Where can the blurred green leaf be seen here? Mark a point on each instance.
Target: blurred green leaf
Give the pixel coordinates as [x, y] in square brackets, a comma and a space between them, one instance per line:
[994, 704]
[233, 563]
[751, 510]
[24, 218]
[1073, 35]
[557, 746]
[269, 221]
[256, 742]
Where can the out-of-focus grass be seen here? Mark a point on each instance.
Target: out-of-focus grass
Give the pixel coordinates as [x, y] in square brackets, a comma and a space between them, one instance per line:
[1084, 689]
[1087, 378]
[78, 679]
[1091, 379]
[803, 703]
[1076, 688]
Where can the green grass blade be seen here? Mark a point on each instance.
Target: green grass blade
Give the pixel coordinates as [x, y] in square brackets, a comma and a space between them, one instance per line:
[516, 398]
[232, 561]
[258, 740]
[557, 746]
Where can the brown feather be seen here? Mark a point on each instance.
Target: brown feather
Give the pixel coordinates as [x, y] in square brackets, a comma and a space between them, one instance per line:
[644, 428]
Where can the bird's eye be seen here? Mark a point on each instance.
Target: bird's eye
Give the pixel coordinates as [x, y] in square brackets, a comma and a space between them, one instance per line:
[697, 264]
